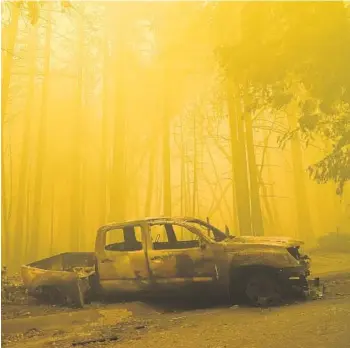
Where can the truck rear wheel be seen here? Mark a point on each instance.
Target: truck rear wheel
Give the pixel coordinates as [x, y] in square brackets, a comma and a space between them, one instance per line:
[263, 289]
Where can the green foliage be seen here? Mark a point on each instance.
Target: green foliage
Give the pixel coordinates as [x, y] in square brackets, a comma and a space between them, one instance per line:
[335, 130]
[336, 165]
[287, 44]
[309, 41]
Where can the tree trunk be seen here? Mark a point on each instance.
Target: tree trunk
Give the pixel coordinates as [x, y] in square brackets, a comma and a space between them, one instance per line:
[188, 185]
[301, 200]
[104, 134]
[41, 145]
[20, 227]
[265, 200]
[7, 61]
[275, 213]
[234, 225]
[195, 159]
[77, 201]
[118, 189]
[118, 184]
[183, 207]
[27, 221]
[166, 168]
[222, 190]
[52, 227]
[150, 185]
[257, 220]
[166, 146]
[239, 161]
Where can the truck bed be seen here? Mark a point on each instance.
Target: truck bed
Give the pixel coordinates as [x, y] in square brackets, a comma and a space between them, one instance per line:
[60, 278]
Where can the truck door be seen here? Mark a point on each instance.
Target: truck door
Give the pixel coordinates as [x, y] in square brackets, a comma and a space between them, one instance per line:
[121, 259]
[178, 256]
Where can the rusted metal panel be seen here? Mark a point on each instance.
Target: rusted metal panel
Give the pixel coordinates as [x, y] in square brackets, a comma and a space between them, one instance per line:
[62, 278]
[264, 255]
[123, 265]
[125, 285]
[199, 260]
[128, 269]
[35, 277]
[182, 264]
[137, 264]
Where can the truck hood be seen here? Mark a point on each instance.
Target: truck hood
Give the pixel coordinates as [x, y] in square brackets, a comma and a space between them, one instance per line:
[285, 242]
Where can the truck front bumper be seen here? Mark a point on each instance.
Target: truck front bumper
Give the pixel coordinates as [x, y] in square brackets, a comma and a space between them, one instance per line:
[307, 288]
[296, 280]
[316, 288]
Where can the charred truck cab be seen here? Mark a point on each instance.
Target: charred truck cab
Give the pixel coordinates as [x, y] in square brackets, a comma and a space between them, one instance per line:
[169, 254]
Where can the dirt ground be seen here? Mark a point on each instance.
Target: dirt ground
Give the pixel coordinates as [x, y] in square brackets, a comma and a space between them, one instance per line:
[196, 322]
[325, 262]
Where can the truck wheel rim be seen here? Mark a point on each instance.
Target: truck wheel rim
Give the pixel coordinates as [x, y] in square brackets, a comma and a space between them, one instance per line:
[262, 291]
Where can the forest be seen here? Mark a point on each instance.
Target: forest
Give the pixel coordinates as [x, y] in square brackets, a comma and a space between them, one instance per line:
[234, 111]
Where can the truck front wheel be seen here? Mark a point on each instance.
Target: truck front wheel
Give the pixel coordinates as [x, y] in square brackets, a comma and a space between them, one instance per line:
[263, 289]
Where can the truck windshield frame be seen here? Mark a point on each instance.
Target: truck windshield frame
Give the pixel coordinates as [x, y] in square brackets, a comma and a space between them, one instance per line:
[204, 227]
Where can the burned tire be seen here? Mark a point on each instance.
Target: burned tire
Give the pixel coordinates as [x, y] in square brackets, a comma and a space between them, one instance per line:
[263, 289]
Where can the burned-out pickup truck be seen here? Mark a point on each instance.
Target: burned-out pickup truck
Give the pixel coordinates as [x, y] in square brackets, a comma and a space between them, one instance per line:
[170, 254]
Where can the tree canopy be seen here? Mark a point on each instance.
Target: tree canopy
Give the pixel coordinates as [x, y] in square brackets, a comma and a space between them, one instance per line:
[300, 51]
